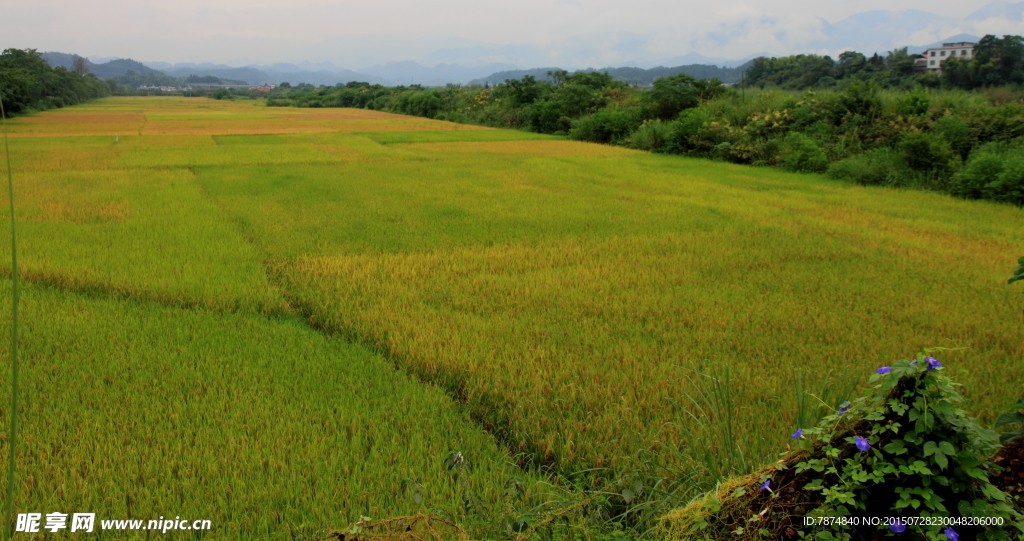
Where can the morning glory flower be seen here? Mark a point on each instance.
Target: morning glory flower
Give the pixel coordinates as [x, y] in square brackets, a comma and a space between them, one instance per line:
[765, 485]
[844, 407]
[898, 526]
[884, 370]
[933, 363]
[862, 444]
[951, 534]
[798, 434]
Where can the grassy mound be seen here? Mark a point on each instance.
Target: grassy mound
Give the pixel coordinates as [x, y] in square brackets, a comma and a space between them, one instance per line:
[904, 462]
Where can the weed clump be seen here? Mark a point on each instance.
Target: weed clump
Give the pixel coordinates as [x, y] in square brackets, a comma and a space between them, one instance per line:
[903, 462]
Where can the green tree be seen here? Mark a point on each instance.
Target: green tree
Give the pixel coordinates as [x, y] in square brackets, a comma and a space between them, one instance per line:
[558, 77]
[850, 63]
[899, 62]
[523, 92]
[1005, 54]
[670, 96]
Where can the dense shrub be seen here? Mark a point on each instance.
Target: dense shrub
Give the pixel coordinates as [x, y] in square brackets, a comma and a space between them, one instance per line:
[913, 103]
[425, 104]
[878, 167]
[1008, 187]
[800, 153]
[859, 99]
[926, 152]
[549, 117]
[980, 170]
[652, 136]
[685, 130]
[956, 132]
[608, 126]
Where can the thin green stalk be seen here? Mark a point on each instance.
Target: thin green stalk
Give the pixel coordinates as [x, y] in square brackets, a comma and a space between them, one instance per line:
[13, 437]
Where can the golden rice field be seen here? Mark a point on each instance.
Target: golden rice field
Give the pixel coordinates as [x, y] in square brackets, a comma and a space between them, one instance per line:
[270, 317]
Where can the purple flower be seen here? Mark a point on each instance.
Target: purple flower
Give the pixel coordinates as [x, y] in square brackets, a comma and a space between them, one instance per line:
[913, 363]
[764, 487]
[884, 370]
[798, 434]
[952, 535]
[933, 363]
[862, 444]
[844, 407]
[898, 526]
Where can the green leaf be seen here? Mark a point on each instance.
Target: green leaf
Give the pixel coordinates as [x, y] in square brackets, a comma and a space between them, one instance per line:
[1010, 436]
[1009, 419]
[930, 448]
[947, 448]
[713, 504]
[992, 492]
[896, 447]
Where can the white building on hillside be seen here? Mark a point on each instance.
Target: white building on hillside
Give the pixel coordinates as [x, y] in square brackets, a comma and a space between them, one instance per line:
[931, 60]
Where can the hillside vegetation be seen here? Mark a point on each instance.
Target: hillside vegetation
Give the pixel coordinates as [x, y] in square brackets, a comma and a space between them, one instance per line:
[870, 120]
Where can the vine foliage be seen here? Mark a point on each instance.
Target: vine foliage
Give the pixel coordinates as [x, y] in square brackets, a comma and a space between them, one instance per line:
[903, 462]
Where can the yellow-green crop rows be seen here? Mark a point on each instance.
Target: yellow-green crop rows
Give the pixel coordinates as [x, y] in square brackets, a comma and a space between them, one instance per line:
[227, 290]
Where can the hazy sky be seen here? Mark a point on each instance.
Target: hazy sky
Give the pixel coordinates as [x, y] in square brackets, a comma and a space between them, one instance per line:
[355, 34]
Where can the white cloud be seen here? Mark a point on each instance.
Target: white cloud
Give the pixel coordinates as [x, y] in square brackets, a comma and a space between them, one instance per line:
[355, 34]
[999, 27]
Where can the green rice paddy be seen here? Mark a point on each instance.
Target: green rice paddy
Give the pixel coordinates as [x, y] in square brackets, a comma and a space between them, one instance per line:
[271, 318]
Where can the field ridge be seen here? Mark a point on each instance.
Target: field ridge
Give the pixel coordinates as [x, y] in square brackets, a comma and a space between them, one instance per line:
[525, 452]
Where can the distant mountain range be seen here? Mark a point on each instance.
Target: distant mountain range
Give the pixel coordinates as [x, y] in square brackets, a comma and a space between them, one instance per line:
[316, 74]
[107, 70]
[632, 75]
[867, 32]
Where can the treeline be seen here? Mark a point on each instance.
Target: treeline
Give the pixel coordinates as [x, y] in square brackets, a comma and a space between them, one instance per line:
[994, 62]
[28, 83]
[800, 72]
[545, 106]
